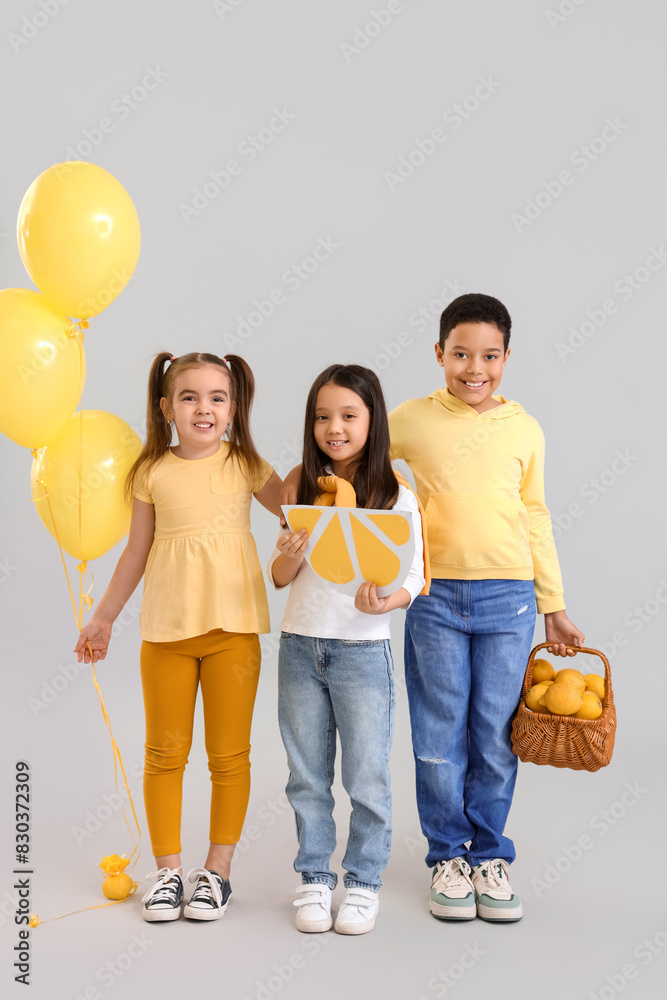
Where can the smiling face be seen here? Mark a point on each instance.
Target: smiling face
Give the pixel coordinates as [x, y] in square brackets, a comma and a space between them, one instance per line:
[473, 360]
[342, 422]
[201, 408]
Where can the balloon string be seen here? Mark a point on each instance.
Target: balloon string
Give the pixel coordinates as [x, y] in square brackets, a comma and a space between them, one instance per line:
[117, 761]
[88, 601]
[78, 615]
[99, 906]
[42, 482]
[85, 597]
[80, 346]
[77, 328]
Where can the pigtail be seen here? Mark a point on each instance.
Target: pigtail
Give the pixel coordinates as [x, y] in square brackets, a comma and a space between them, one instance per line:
[158, 429]
[240, 437]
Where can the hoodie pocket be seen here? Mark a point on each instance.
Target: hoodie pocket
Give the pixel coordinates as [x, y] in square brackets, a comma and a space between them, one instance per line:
[474, 533]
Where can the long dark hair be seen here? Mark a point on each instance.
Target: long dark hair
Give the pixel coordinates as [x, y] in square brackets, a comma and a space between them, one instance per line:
[374, 481]
[158, 429]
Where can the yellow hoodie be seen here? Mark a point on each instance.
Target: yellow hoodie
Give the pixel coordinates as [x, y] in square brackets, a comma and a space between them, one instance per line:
[480, 477]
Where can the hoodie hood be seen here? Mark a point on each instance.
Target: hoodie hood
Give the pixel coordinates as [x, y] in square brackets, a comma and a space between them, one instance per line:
[457, 407]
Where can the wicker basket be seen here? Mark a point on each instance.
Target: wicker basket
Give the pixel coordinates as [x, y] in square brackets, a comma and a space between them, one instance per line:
[562, 740]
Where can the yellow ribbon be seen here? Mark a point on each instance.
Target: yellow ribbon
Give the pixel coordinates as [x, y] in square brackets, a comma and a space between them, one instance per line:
[76, 329]
[85, 599]
[34, 921]
[88, 601]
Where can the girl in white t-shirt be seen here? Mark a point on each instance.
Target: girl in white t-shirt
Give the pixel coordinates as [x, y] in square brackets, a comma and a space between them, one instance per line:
[335, 668]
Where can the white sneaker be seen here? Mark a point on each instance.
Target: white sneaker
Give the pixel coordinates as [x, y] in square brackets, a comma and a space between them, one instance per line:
[496, 900]
[313, 902]
[358, 911]
[452, 892]
[163, 900]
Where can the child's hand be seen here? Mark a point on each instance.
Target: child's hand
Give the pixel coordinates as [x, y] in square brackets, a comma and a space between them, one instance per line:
[97, 634]
[293, 546]
[559, 630]
[288, 496]
[368, 601]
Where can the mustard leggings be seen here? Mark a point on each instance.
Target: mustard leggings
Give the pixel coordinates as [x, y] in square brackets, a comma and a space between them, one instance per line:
[226, 664]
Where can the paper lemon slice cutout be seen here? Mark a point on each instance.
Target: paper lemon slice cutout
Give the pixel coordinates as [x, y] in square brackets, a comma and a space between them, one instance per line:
[330, 558]
[304, 517]
[350, 545]
[395, 526]
[376, 561]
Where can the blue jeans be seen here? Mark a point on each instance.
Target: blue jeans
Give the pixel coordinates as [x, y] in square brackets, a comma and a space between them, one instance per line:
[326, 685]
[466, 649]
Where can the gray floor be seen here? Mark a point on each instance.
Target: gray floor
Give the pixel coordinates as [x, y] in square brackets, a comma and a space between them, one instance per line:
[582, 873]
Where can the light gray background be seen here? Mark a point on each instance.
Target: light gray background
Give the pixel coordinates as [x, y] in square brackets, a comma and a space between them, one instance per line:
[448, 226]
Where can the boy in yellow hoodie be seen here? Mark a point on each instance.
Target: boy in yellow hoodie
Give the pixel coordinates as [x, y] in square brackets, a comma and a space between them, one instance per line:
[478, 463]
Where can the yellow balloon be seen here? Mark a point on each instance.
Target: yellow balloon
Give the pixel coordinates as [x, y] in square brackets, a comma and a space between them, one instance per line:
[42, 371]
[96, 472]
[79, 237]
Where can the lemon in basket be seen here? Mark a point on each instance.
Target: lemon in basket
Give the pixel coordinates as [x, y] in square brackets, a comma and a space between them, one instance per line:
[572, 677]
[534, 695]
[591, 707]
[563, 699]
[542, 671]
[595, 683]
[545, 685]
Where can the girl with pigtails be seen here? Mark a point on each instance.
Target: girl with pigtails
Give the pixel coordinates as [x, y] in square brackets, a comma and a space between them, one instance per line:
[204, 606]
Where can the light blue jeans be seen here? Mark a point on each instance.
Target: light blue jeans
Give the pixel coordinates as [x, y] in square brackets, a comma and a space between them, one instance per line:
[466, 649]
[327, 686]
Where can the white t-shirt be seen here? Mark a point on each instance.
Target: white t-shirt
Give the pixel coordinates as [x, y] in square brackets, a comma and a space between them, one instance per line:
[315, 609]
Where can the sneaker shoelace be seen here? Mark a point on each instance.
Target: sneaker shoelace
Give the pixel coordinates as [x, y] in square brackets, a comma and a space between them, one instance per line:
[452, 874]
[208, 890]
[166, 889]
[496, 875]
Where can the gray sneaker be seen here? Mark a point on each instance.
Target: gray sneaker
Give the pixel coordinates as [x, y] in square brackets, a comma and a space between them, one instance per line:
[452, 892]
[163, 900]
[211, 897]
[495, 898]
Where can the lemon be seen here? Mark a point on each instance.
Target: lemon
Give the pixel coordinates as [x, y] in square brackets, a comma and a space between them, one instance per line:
[542, 671]
[541, 705]
[571, 676]
[533, 696]
[591, 707]
[563, 699]
[595, 683]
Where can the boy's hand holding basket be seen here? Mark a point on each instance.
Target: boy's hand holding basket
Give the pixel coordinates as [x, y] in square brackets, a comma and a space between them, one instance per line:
[563, 740]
